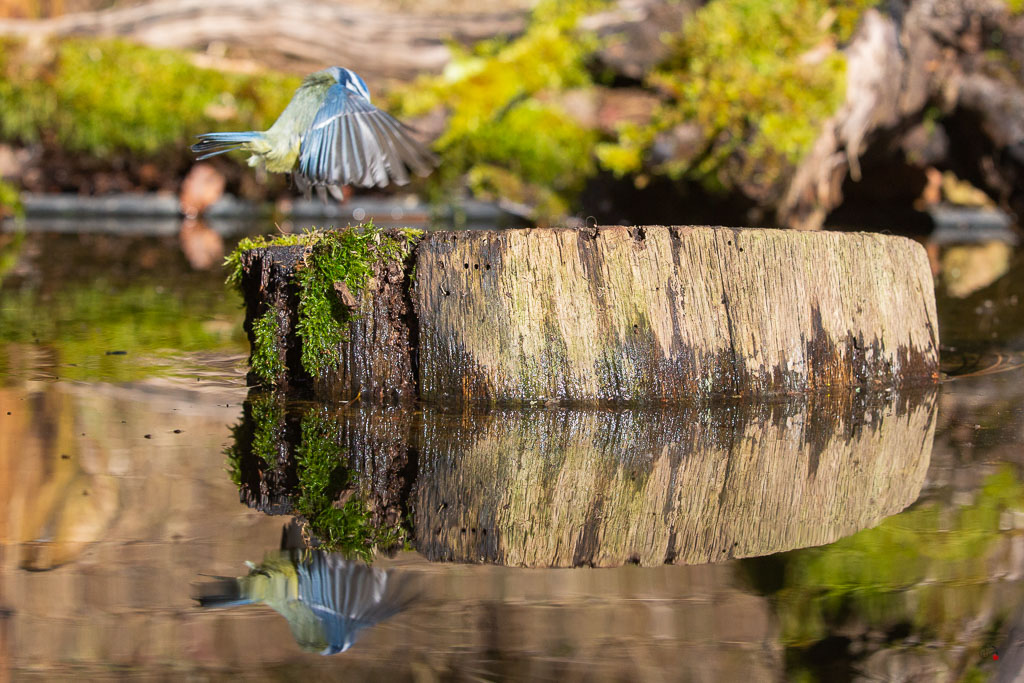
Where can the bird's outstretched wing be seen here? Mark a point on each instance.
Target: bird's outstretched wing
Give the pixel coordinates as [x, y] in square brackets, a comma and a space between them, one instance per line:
[351, 142]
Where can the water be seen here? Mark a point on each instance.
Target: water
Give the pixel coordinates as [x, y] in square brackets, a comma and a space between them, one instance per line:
[846, 537]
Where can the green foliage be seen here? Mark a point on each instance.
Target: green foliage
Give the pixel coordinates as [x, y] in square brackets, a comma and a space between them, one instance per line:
[530, 150]
[1015, 6]
[347, 528]
[102, 97]
[758, 78]
[331, 256]
[901, 570]
[266, 359]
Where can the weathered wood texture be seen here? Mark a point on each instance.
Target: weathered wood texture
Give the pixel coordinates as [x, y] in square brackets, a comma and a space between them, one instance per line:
[375, 359]
[564, 487]
[668, 313]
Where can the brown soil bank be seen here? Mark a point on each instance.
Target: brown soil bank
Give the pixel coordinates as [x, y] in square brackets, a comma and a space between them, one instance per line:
[611, 314]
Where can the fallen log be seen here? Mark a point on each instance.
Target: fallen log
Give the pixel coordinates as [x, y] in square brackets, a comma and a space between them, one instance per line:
[614, 314]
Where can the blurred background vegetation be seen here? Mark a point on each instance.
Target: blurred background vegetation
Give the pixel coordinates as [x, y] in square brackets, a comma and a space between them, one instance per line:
[729, 111]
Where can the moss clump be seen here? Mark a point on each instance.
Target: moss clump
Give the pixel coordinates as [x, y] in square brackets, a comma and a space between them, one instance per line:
[503, 137]
[330, 257]
[104, 97]
[266, 357]
[758, 78]
[346, 527]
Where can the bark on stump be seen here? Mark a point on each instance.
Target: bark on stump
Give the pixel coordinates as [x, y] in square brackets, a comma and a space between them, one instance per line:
[621, 315]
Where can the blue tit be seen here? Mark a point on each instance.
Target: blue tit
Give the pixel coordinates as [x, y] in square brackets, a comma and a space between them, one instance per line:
[326, 599]
[328, 136]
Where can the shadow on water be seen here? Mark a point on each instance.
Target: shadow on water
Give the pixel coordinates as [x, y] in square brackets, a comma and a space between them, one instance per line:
[561, 487]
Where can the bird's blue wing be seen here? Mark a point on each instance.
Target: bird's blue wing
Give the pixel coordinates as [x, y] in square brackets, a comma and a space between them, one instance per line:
[351, 142]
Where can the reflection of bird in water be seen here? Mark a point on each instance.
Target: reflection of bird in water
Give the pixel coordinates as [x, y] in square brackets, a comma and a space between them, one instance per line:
[328, 136]
[326, 599]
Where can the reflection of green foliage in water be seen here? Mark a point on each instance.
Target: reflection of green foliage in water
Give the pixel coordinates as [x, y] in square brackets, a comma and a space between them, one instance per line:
[82, 321]
[331, 256]
[347, 528]
[10, 250]
[104, 96]
[902, 571]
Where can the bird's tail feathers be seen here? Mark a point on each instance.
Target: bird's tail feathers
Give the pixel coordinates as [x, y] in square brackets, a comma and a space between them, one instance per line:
[212, 144]
[223, 592]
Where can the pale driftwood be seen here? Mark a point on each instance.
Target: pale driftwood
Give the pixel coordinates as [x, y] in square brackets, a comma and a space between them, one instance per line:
[304, 36]
[561, 488]
[379, 40]
[667, 314]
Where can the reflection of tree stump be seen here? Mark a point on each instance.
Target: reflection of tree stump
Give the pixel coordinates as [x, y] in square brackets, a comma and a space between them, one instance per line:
[588, 486]
[655, 313]
[564, 488]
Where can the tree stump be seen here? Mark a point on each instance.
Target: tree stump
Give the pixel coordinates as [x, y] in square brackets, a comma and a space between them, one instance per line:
[614, 314]
[668, 313]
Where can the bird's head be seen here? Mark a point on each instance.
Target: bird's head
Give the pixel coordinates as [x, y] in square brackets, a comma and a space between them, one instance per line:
[351, 80]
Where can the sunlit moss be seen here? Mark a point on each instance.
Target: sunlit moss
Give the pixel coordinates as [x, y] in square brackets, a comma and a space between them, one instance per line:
[266, 357]
[498, 119]
[902, 570]
[757, 78]
[102, 97]
[330, 257]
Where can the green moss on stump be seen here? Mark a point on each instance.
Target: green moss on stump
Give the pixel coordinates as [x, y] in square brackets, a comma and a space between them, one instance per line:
[330, 258]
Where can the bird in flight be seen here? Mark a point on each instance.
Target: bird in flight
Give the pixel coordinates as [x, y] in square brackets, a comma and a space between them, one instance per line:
[330, 135]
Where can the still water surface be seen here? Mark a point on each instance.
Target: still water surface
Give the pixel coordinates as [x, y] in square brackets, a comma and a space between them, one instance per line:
[845, 537]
